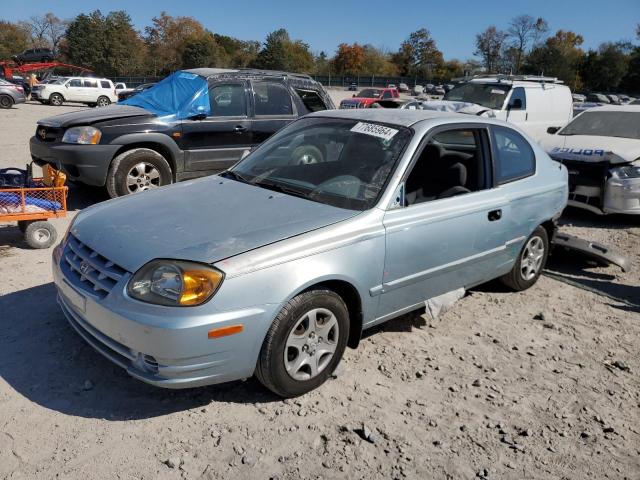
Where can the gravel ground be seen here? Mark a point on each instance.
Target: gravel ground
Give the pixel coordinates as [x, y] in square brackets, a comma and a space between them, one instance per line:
[540, 384]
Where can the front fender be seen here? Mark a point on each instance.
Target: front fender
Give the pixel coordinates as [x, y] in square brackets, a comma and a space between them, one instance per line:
[165, 142]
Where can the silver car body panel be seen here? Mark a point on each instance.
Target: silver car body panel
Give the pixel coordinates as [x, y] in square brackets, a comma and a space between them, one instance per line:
[394, 257]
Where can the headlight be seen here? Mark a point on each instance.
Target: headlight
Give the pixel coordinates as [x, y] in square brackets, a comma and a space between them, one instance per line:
[82, 135]
[628, 171]
[175, 283]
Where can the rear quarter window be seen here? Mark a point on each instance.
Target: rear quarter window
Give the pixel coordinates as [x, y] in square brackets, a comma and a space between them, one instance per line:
[311, 100]
[104, 84]
[513, 156]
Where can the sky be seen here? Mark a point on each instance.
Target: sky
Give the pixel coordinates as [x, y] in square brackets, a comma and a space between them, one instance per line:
[384, 24]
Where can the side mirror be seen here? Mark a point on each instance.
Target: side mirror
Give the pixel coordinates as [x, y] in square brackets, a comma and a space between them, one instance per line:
[553, 130]
[516, 104]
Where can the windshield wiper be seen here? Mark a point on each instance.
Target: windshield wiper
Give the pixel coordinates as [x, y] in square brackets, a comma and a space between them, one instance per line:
[236, 176]
[282, 189]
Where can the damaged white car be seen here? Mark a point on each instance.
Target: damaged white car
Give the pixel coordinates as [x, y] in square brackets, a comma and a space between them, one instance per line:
[601, 150]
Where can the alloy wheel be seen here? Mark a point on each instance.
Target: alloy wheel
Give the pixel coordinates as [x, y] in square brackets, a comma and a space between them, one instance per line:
[142, 176]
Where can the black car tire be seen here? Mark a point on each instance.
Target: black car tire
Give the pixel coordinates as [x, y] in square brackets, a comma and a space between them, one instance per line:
[515, 279]
[56, 99]
[6, 101]
[40, 234]
[271, 370]
[306, 154]
[117, 185]
[103, 101]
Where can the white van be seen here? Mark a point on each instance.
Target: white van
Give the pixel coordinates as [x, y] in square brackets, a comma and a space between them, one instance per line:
[533, 103]
[91, 91]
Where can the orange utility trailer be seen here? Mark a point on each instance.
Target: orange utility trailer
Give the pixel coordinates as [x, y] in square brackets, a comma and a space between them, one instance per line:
[32, 205]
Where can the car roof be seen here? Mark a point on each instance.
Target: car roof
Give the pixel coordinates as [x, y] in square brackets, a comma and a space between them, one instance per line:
[400, 117]
[616, 108]
[248, 72]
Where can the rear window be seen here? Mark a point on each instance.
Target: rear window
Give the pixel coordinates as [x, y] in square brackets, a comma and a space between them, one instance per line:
[271, 98]
[514, 157]
[105, 84]
[311, 100]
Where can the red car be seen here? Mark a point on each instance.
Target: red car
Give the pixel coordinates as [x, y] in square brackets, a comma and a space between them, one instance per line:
[369, 95]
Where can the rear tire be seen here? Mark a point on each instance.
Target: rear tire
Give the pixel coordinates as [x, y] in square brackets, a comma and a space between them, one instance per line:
[6, 101]
[304, 344]
[103, 101]
[56, 99]
[40, 234]
[530, 262]
[137, 170]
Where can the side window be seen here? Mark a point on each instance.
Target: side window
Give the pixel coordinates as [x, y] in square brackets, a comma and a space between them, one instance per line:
[228, 100]
[104, 84]
[387, 94]
[271, 98]
[90, 83]
[311, 100]
[513, 156]
[75, 82]
[518, 99]
[452, 163]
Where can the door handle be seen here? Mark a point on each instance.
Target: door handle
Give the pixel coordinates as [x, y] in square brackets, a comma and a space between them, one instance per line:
[239, 128]
[494, 215]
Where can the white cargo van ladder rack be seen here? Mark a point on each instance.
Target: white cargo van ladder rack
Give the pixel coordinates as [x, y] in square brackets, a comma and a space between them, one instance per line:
[512, 78]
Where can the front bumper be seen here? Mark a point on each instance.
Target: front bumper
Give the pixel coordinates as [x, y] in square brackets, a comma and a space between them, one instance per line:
[163, 346]
[86, 163]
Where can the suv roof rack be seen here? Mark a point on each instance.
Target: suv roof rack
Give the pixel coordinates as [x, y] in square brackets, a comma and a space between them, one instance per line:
[510, 78]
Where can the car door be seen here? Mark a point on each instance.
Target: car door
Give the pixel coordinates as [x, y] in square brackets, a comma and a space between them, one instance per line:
[272, 108]
[90, 92]
[74, 90]
[455, 238]
[218, 141]
[517, 106]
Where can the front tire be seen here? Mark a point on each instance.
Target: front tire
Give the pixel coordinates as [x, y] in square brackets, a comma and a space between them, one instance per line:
[304, 344]
[137, 170]
[530, 262]
[6, 101]
[56, 99]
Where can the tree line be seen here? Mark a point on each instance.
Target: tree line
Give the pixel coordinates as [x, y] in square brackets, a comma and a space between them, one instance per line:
[111, 45]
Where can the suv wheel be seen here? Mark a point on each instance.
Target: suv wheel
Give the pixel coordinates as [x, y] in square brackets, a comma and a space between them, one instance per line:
[137, 170]
[56, 99]
[530, 262]
[304, 344]
[6, 101]
[103, 101]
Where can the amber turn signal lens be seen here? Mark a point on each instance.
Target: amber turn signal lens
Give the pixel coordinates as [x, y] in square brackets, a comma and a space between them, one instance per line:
[198, 286]
[225, 331]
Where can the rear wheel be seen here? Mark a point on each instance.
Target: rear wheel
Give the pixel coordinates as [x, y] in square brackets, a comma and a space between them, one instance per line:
[304, 344]
[56, 99]
[6, 101]
[40, 234]
[103, 101]
[137, 170]
[530, 262]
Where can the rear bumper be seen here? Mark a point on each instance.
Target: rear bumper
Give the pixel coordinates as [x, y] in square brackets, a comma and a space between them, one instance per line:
[86, 163]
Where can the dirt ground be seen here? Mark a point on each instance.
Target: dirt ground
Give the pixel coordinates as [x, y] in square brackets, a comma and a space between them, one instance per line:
[542, 384]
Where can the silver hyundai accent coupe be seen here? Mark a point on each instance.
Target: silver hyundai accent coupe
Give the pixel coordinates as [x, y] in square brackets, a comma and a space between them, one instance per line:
[275, 266]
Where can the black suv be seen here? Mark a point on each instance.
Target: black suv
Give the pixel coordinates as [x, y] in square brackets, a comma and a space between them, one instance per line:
[34, 55]
[128, 149]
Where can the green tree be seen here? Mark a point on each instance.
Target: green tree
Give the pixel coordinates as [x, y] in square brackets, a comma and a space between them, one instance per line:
[85, 40]
[14, 38]
[279, 52]
[559, 56]
[604, 69]
[418, 55]
[377, 62]
[124, 50]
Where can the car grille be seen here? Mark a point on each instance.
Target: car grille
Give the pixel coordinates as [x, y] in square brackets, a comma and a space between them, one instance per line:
[48, 134]
[89, 271]
[583, 173]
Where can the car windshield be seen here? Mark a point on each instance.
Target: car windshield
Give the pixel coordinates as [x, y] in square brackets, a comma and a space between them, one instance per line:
[369, 93]
[489, 95]
[338, 162]
[606, 124]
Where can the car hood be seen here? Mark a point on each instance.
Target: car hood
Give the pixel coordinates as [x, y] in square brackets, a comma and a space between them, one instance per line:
[205, 220]
[592, 148]
[93, 115]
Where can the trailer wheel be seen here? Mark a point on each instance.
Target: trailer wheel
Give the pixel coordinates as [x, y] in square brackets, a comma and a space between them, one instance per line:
[40, 234]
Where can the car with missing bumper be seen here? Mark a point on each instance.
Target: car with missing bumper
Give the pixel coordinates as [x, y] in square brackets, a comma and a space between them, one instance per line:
[405, 206]
[191, 124]
[367, 96]
[601, 150]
